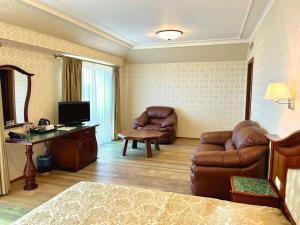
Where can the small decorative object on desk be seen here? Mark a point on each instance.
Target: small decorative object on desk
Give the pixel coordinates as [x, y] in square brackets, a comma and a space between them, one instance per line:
[10, 123]
[253, 191]
[27, 127]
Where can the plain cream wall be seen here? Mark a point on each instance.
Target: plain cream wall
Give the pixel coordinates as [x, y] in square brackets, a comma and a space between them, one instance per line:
[201, 53]
[276, 53]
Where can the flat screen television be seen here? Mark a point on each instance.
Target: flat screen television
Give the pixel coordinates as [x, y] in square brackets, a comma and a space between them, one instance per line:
[73, 112]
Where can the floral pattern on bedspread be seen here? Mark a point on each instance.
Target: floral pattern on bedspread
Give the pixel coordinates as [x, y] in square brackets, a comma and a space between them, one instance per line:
[90, 203]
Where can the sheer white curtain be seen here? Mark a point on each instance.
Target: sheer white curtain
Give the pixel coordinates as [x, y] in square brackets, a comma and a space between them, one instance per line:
[97, 88]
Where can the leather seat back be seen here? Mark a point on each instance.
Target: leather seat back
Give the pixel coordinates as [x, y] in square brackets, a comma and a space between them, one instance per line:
[156, 121]
[159, 112]
[249, 136]
[243, 124]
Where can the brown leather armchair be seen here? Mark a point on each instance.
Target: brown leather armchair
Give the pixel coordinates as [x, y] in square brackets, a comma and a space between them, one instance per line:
[160, 118]
[243, 152]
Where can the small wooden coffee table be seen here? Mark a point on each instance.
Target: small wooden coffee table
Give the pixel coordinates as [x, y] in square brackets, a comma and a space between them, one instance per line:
[140, 135]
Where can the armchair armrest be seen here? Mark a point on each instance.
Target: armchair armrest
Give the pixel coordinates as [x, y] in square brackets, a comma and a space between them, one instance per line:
[217, 137]
[170, 121]
[230, 159]
[141, 121]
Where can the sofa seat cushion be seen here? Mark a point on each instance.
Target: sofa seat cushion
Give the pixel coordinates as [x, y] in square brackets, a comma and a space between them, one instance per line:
[156, 121]
[210, 147]
[166, 131]
[230, 159]
[150, 127]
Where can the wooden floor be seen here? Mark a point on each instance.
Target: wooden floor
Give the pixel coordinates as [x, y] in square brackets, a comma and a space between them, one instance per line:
[168, 170]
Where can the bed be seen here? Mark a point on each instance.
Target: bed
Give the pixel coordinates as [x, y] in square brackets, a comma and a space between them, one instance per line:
[96, 203]
[90, 203]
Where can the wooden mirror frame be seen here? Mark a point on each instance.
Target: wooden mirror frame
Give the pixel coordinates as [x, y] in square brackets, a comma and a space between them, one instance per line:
[29, 75]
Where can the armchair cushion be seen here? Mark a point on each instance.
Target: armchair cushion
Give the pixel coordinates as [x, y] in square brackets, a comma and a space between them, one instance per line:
[217, 137]
[243, 124]
[159, 112]
[150, 127]
[210, 147]
[158, 118]
[230, 159]
[141, 121]
[229, 145]
[170, 121]
[249, 136]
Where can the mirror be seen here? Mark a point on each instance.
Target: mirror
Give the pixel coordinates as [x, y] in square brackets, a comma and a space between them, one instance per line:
[15, 91]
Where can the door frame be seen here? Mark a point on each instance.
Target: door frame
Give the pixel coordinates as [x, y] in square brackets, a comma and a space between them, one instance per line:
[249, 89]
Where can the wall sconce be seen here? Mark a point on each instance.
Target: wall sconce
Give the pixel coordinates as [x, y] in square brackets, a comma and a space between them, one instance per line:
[280, 93]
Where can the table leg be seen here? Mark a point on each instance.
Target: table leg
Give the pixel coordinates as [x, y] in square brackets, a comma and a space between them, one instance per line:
[29, 170]
[134, 144]
[157, 148]
[124, 147]
[148, 149]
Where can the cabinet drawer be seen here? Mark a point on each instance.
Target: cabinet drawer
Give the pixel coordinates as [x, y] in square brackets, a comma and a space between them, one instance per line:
[87, 151]
[83, 134]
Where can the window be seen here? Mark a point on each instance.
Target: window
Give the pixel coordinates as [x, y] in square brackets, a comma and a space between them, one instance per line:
[97, 88]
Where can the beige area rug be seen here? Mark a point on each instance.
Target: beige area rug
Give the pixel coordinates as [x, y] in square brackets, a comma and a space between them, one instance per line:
[90, 203]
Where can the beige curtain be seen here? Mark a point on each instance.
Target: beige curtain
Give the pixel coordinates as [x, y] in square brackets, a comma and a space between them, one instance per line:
[71, 79]
[116, 95]
[4, 175]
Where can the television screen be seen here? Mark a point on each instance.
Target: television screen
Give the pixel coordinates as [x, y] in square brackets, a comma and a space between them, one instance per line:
[73, 112]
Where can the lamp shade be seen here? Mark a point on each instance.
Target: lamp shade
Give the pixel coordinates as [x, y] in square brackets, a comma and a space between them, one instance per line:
[278, 91]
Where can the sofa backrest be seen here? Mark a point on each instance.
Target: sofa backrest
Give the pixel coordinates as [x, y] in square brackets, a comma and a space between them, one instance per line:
[248, 136]
[159, 112]
[243, 124]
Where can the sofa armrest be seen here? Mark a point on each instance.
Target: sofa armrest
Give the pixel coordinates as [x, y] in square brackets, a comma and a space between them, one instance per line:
[170, 121]
[141, 121]
[217, 137]
[230, 159]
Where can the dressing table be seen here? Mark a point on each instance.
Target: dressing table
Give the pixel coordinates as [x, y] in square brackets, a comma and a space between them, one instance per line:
[71, 149]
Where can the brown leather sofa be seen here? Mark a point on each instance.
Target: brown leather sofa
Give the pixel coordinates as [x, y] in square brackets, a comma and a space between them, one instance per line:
[160, 118]
[243, 151]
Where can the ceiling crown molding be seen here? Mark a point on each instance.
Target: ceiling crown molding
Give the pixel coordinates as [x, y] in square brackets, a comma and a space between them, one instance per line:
[53, 11]
[192, 43]
[246, 16]
[123, 41]
[262, 18]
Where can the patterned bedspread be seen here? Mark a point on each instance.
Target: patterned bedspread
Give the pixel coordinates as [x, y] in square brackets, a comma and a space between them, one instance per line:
[95, 203]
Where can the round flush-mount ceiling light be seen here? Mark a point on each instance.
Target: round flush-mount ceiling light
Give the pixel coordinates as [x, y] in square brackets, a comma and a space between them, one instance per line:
[169, 34]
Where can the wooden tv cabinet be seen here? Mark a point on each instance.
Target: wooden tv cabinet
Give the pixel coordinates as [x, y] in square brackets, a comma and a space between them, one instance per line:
[76, 150]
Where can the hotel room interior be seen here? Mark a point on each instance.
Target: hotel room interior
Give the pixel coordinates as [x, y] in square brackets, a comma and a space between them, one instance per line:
[150, 112]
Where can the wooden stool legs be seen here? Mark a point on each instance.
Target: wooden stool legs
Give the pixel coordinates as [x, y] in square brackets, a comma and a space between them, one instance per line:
[124, 147]
[134, 144]
[148, 151]
[156, 145]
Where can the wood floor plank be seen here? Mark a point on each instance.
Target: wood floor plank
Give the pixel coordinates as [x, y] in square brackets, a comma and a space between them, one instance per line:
[167, 170]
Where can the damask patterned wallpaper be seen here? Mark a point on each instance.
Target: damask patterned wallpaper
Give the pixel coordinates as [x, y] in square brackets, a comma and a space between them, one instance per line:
[276, 54]
[44, 95]
[207, 96]
[33, 38]
[28, 51]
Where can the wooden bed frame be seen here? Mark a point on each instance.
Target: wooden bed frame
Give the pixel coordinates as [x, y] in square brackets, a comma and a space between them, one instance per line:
[284, 155]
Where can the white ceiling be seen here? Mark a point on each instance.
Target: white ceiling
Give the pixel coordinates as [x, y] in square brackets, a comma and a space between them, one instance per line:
[136, 21]
[117, 25]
